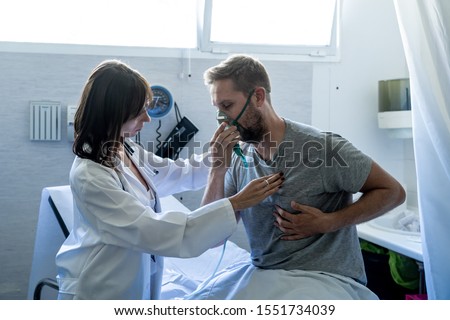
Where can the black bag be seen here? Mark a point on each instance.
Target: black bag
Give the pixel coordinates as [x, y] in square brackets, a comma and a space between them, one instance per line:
[183, 132]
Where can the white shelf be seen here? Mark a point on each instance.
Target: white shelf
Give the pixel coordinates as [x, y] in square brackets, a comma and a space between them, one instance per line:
[397, 123]
[408, 245]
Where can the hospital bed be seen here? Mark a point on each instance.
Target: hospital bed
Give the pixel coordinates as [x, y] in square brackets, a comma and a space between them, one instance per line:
[181, 276]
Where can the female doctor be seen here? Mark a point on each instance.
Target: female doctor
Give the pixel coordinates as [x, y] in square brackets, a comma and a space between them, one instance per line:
[119, 235]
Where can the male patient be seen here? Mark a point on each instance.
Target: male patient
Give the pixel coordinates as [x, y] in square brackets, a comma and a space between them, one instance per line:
[303, 239]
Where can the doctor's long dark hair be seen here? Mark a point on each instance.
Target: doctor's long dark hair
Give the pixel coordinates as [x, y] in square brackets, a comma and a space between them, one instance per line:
[113, 94]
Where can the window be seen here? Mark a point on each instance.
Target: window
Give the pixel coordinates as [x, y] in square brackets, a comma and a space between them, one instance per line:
[294, 27]
[142, 23]
[268, 26]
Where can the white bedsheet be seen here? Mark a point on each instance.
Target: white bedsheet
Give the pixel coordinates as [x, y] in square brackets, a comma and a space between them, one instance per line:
[243, 281]
[236, 278]
[183, 276]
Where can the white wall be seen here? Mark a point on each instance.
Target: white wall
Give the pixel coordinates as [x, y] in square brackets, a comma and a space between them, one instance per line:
[345, 94]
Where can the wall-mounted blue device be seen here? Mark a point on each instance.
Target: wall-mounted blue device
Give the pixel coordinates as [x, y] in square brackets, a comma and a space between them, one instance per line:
[183, 131]
[162, 102]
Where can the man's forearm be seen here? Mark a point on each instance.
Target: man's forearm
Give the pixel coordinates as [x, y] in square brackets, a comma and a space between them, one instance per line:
[215, 186]
[371, 205]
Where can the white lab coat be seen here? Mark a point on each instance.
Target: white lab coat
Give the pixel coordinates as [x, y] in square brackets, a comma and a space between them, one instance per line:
[114, 250]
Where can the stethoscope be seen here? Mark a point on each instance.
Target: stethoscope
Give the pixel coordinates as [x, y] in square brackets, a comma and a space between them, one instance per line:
[129, 149]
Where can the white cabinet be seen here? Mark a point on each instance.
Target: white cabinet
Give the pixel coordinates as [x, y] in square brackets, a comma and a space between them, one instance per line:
[394, 108]
[397, 123]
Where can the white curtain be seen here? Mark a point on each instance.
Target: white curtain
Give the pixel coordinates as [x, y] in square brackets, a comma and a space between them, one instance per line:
[425, 30]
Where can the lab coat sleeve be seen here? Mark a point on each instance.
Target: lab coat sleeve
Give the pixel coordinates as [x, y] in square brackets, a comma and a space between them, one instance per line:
[179, 175]
[121, 220]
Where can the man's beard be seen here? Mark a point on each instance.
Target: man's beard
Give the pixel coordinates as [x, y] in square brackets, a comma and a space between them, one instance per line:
[255, 133]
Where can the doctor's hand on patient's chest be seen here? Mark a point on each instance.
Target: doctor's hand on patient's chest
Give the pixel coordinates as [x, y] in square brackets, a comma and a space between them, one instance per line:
[256, 191]
[307, 221]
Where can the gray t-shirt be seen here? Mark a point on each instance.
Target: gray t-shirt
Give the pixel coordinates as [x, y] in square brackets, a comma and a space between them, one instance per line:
[322, 170]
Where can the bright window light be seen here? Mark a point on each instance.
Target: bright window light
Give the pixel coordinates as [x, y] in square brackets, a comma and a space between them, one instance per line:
[299, 27]
[308, 28]
[147, 23]
[268, 22]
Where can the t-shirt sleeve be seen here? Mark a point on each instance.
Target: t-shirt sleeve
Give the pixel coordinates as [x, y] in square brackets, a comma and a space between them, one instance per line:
[345, 167]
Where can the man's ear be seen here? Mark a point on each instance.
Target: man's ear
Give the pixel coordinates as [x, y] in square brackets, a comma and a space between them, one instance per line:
[260, 94]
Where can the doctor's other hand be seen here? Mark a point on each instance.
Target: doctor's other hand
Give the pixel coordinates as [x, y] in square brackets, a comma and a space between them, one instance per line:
[256, 191]
[305, 222]
[221, 146]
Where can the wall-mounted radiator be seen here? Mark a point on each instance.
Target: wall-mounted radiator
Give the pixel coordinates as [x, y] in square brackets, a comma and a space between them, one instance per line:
[45, 120]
